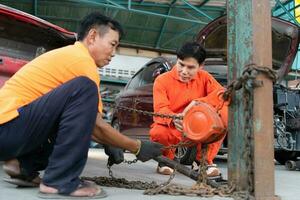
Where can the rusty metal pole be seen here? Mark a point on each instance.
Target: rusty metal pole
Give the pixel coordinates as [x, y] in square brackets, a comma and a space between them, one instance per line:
[250, 160]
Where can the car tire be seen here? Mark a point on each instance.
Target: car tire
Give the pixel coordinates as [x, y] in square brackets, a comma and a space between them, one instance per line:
[282, 156]
[186, 155]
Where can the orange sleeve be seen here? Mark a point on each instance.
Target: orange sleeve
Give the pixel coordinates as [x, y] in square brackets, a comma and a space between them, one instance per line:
[212, 89]
[161, 102]
[211, 83]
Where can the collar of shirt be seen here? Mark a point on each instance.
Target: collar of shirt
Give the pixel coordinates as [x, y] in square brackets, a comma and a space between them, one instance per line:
[84, 50]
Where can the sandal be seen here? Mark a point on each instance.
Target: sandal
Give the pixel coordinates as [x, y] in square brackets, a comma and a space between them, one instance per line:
[21, 179]
[100, 194]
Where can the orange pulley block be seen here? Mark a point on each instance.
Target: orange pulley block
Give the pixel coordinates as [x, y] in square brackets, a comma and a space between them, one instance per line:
[206, 122]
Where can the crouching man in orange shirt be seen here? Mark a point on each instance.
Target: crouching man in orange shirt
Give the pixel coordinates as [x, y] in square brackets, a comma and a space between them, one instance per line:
[51, 109]
[173, 93]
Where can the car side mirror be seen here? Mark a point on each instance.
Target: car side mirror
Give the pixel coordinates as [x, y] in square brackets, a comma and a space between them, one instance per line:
[158, 72]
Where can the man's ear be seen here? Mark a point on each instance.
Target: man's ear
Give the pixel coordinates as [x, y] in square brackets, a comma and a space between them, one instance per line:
[201, 66]
[91, 36]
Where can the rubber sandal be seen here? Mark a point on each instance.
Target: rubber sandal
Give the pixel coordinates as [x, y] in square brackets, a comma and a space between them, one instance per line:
[21, 182]
[100, 195]
[19, 179]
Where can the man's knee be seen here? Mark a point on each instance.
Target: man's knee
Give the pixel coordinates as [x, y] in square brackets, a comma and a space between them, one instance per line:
[85, 83]
[159, 134]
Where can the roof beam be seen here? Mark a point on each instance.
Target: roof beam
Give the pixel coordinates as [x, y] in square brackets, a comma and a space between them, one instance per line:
[203, 3]
[35, 7]
[289, 10]
[292, 18]
[164, 26]
[197, 10]
[276, 7]
[118, 6]
[179, 35]
[115, 4]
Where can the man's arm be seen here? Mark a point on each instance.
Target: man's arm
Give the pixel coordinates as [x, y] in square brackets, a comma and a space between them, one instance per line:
[161, 102]
[104, 133]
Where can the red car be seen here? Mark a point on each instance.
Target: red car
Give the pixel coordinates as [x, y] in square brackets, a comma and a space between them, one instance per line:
[138, 92]
[23, 37]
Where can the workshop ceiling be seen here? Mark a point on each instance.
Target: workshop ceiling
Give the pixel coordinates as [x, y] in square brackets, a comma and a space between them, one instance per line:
[162, 25]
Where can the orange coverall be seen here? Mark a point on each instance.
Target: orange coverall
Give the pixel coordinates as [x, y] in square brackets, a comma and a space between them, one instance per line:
[171, 96]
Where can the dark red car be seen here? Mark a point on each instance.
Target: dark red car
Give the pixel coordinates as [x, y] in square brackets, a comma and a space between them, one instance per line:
[23, 37]
[138, 92]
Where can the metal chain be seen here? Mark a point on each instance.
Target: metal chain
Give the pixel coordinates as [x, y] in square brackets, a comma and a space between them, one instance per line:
[248, 82]
[121, 183]
[148, 113]
[202, 178]
[129, 162]
[201, 188]
[180, 144]
[250, 73]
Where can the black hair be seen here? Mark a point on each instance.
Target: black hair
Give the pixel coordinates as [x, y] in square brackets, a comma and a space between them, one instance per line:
[100, 22]
[192, 50]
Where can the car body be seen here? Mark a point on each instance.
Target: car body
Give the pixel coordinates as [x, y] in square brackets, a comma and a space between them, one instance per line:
[23, 37]
[138, 93]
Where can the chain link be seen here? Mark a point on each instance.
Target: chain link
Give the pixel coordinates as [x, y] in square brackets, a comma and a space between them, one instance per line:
[129, 162]
[250, 73]
[248, 82]
[151, 114]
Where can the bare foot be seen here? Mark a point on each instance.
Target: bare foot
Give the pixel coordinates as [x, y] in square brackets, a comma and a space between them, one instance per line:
[12, 168]
[86, 191]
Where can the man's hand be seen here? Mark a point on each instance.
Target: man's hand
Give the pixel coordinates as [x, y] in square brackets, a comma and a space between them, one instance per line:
[148, 150]
[115, 155]
[193, 103]
[178, 123]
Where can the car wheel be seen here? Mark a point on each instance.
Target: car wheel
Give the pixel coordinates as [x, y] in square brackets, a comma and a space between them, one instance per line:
[186, 155]
[282, 156]
[115, 124]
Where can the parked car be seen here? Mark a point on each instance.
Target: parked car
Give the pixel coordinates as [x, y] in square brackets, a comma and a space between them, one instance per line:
[138, 92]
[23, 37]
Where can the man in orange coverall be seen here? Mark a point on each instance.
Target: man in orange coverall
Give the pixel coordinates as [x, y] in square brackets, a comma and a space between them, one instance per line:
[176, 91]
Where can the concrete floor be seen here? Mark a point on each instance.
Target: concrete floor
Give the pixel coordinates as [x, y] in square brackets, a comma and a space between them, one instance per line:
[287, 182]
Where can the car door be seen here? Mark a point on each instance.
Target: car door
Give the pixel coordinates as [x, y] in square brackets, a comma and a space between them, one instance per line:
[144, 100]
[123, 119]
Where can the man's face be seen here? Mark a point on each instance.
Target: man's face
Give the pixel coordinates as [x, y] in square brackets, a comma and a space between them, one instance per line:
[103, 47]
[187, 69]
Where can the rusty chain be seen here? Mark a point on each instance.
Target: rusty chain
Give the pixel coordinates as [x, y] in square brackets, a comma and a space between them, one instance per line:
[250, 73]
[151, 114]
[248, 82]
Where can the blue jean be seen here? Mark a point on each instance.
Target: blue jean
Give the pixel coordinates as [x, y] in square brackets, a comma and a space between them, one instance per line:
[54, 133]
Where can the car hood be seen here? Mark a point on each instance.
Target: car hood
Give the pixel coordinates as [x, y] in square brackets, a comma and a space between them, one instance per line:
[285, 41]
[23, 37]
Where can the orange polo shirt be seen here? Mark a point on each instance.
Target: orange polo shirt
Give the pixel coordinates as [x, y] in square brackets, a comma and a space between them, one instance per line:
[43, 74]
[171, 96]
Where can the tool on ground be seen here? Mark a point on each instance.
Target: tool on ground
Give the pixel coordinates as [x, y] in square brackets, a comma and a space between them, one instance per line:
[212, 181]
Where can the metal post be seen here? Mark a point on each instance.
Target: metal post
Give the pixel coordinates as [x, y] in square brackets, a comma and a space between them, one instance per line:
[35, 7]
[250, 160]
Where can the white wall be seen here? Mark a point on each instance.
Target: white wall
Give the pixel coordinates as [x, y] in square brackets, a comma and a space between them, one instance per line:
[123, 66]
